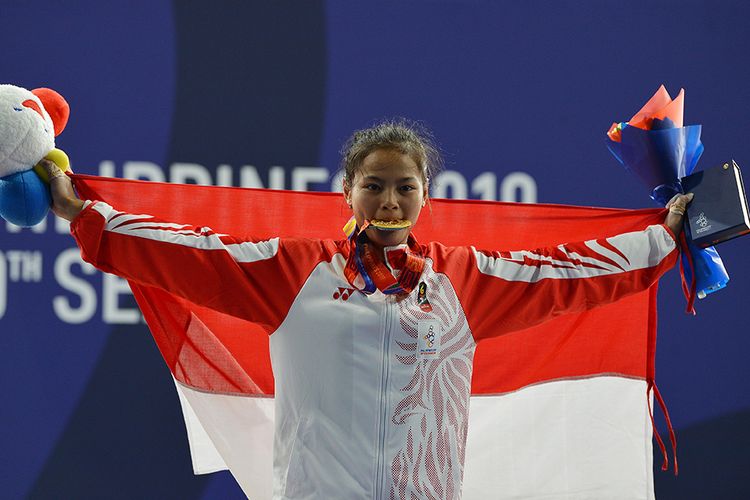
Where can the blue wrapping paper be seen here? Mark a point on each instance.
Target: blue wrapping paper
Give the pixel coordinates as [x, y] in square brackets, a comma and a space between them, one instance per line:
[659, 158]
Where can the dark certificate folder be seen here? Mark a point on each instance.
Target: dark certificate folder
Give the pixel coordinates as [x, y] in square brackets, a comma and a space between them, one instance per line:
[719, 210]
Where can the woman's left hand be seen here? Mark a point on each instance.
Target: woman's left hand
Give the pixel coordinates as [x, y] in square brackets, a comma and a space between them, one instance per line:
[677, 207]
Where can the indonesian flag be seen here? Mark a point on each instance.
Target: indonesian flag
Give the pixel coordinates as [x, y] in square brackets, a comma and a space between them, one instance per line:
[560, 410]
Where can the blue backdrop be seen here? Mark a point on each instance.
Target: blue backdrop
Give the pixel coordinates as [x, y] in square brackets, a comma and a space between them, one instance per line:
[519, 96]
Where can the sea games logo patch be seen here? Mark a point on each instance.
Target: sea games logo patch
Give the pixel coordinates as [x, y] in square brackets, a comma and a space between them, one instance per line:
[428, 342]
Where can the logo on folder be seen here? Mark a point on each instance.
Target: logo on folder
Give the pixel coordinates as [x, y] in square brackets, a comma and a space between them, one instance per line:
[702, 221]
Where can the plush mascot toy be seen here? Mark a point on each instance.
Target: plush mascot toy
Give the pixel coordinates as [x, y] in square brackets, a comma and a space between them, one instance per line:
[29, 122]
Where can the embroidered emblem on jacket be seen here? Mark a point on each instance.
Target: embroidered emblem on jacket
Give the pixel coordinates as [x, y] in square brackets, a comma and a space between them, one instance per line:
[422, 301]
[342, 293]
[428, 338]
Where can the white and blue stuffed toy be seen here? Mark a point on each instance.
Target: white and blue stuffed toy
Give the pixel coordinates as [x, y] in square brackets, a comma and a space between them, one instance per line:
[29, 122]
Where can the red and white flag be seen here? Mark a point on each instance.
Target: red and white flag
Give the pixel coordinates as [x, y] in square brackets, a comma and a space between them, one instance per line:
[559, 410]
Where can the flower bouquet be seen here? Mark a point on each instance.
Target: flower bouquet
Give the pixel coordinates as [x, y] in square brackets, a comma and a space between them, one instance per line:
[656, 147]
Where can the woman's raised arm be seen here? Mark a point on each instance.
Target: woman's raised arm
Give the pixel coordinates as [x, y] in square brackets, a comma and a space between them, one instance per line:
[252, 279]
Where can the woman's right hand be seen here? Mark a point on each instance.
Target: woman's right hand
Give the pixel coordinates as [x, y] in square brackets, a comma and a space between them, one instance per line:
[65, 202]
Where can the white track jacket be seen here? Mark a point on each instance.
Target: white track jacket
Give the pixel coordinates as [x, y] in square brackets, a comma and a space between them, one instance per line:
[371, 391]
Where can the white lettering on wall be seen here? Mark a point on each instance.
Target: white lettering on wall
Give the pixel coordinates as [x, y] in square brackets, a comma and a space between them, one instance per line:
[143, 170]
[79, 300]
[521, 183]
[485, 186]
[249, 177]
[189, 173]
[337, 184]
[450, 184]
[62, 305]
[114, 287]
[302, 177]
[38, 228]
[224, 174]
[516, 186]
[62, 226]
[276, 177]
[107, 169]
[12, 228]
[24, 266]
[18, 266]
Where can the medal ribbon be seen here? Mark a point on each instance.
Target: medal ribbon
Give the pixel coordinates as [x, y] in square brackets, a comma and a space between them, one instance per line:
[365, 261]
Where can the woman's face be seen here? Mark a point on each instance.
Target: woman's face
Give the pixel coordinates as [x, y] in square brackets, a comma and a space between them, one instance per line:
[388, 186]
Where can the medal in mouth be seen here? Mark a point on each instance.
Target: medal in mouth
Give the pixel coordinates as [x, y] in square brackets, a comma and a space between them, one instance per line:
[390, 225]
[352, 230]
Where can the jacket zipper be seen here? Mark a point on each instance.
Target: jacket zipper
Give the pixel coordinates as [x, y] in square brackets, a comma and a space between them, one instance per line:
[383, 414]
